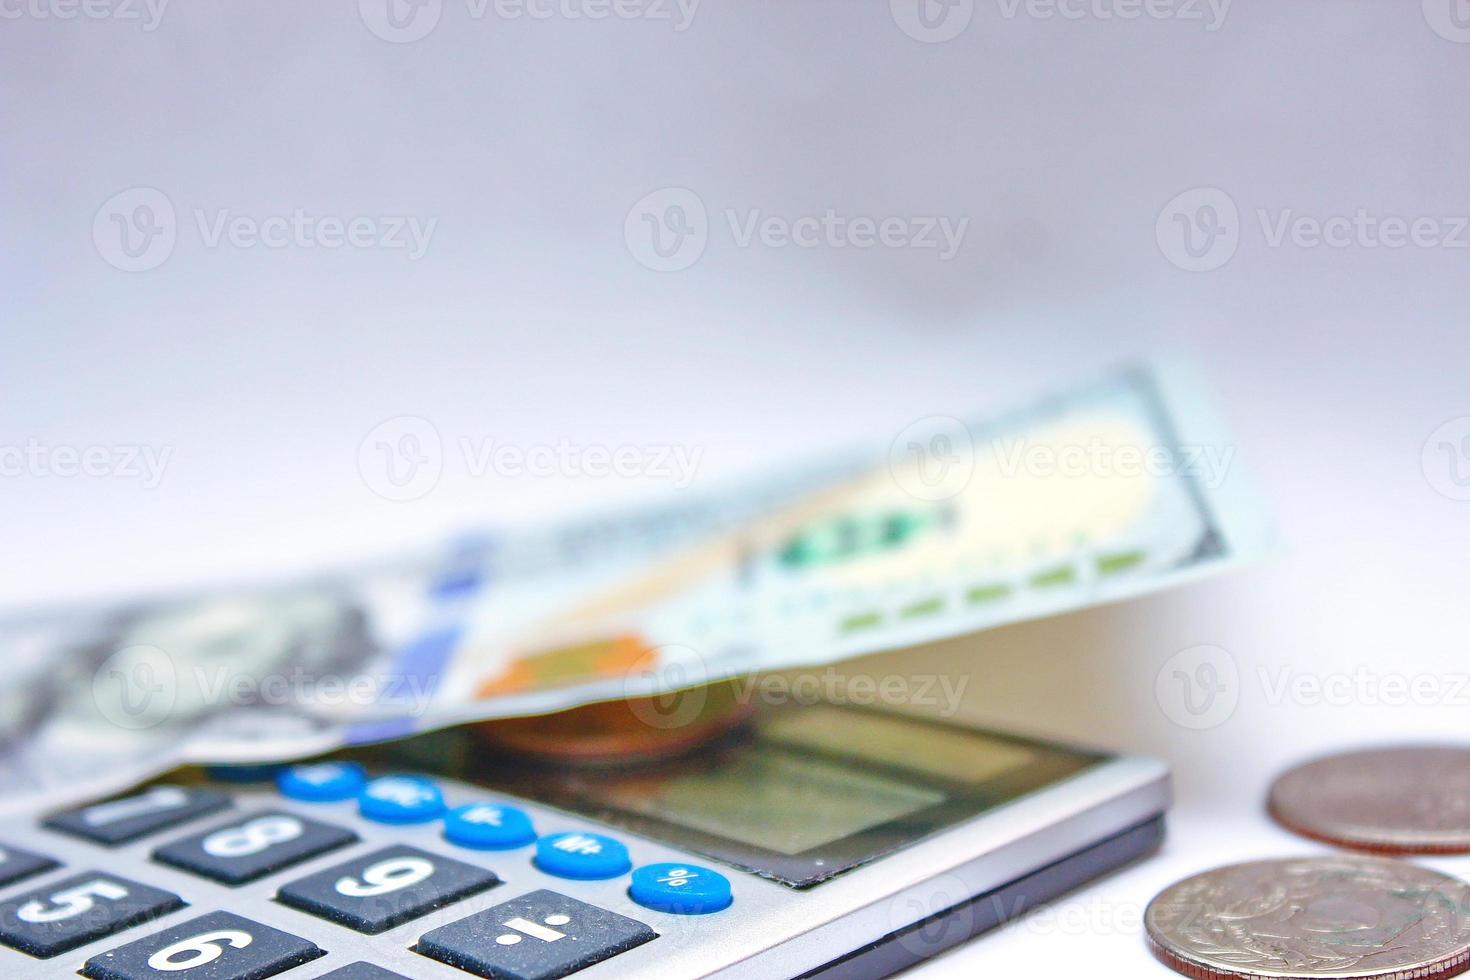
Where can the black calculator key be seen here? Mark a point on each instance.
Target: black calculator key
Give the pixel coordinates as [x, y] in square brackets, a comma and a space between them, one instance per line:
[539, 936]
[16, 864]
[74, 911]
[127, 818]
[253, 847]
[362, 971]
[217, 946]
[386, 888]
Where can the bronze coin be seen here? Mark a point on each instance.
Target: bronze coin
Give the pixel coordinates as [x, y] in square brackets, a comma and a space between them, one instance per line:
[1404, 800]
[625, 730]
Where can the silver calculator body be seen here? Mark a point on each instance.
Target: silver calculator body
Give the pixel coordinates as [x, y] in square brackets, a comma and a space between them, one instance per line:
[816, 841]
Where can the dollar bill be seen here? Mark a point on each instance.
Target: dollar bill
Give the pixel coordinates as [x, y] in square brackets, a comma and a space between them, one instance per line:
[1116, 487]
[1113, 489]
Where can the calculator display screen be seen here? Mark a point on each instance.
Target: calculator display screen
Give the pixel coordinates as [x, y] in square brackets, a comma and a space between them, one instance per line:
[783, 801]
[799, 793]
[938, 751]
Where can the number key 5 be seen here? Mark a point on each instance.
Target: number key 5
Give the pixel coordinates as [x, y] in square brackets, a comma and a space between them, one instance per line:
[77, 910]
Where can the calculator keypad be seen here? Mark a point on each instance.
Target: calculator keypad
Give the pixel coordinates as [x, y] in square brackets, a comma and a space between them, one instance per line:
[128, 818]
[16, 864]
[217, 946]
[253, 847]
[378, 891]
[541, 936]
[72, 912]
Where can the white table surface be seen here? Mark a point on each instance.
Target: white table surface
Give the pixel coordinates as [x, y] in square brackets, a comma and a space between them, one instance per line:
[261, 370]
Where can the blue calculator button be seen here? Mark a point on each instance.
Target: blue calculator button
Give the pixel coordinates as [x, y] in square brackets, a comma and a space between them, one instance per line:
[489, 826]
[401, 799]
[683, 889]
[578, 854]
[322, 782]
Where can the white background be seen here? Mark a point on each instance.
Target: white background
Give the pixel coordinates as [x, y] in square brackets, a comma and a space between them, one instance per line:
[530, 319]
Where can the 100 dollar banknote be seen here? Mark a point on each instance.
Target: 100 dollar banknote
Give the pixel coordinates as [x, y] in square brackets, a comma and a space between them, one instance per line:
[1112, 489]
[1117, 487]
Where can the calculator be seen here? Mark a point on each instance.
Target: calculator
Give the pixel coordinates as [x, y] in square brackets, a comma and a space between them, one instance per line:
[816, 840]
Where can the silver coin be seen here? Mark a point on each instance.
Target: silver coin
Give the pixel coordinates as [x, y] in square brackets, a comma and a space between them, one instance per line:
[1408, 800]
[1344, 916]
